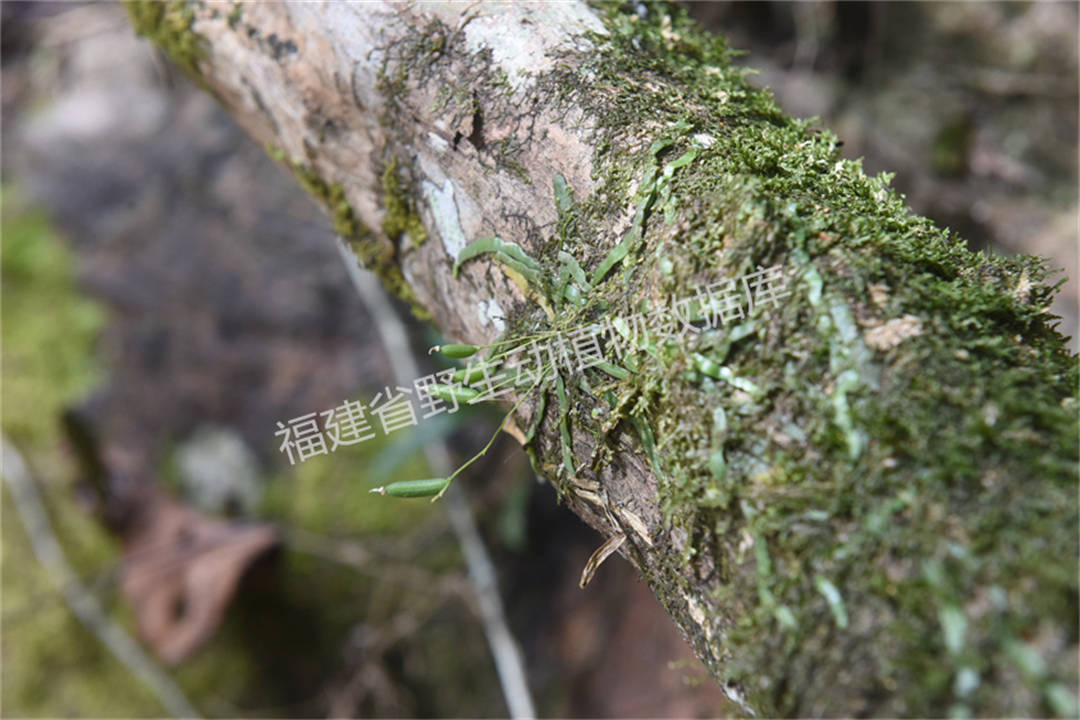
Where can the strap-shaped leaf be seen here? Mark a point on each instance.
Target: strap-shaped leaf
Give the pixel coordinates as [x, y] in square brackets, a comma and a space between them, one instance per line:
[508, 253]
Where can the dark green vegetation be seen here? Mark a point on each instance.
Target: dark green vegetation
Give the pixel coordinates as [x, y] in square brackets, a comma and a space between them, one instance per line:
[878, 475]
[924, 493]
[168, 24]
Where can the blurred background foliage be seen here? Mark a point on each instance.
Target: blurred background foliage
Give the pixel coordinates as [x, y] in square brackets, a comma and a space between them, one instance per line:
[165, 277]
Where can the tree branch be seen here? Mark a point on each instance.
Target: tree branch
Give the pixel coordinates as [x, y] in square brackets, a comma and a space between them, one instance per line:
[858, 500]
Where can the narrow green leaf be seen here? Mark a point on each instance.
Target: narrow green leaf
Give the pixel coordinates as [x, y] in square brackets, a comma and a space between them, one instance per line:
[833, 598]
[613, 370]
[564, 427]
[564, 201]
[508, 253]
[574, 268]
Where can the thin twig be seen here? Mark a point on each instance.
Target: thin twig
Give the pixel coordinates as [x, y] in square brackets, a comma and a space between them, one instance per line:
[84, 605]
[504, 649]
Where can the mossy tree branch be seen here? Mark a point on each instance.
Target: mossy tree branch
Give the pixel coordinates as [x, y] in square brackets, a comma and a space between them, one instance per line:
[860, 501]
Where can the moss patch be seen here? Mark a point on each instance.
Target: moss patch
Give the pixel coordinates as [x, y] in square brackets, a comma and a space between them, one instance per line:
[918, 484]
[52, 666]
[401, 217]
[168, 25]
[375, 253]
[46, 364]
[903, 517]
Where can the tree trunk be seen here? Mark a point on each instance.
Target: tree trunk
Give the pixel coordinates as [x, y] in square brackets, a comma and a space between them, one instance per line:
[855, 498]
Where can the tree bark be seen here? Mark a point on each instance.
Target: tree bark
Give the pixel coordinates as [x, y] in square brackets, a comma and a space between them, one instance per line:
[860, 500]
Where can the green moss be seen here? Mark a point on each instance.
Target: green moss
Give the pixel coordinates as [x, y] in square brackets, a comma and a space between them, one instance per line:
[857, 468]
[851, 504]
[278, 154]
[168, 25]
[45, 364]
[401, 217]
[51, 665]
[332, 196]
[376, 254]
